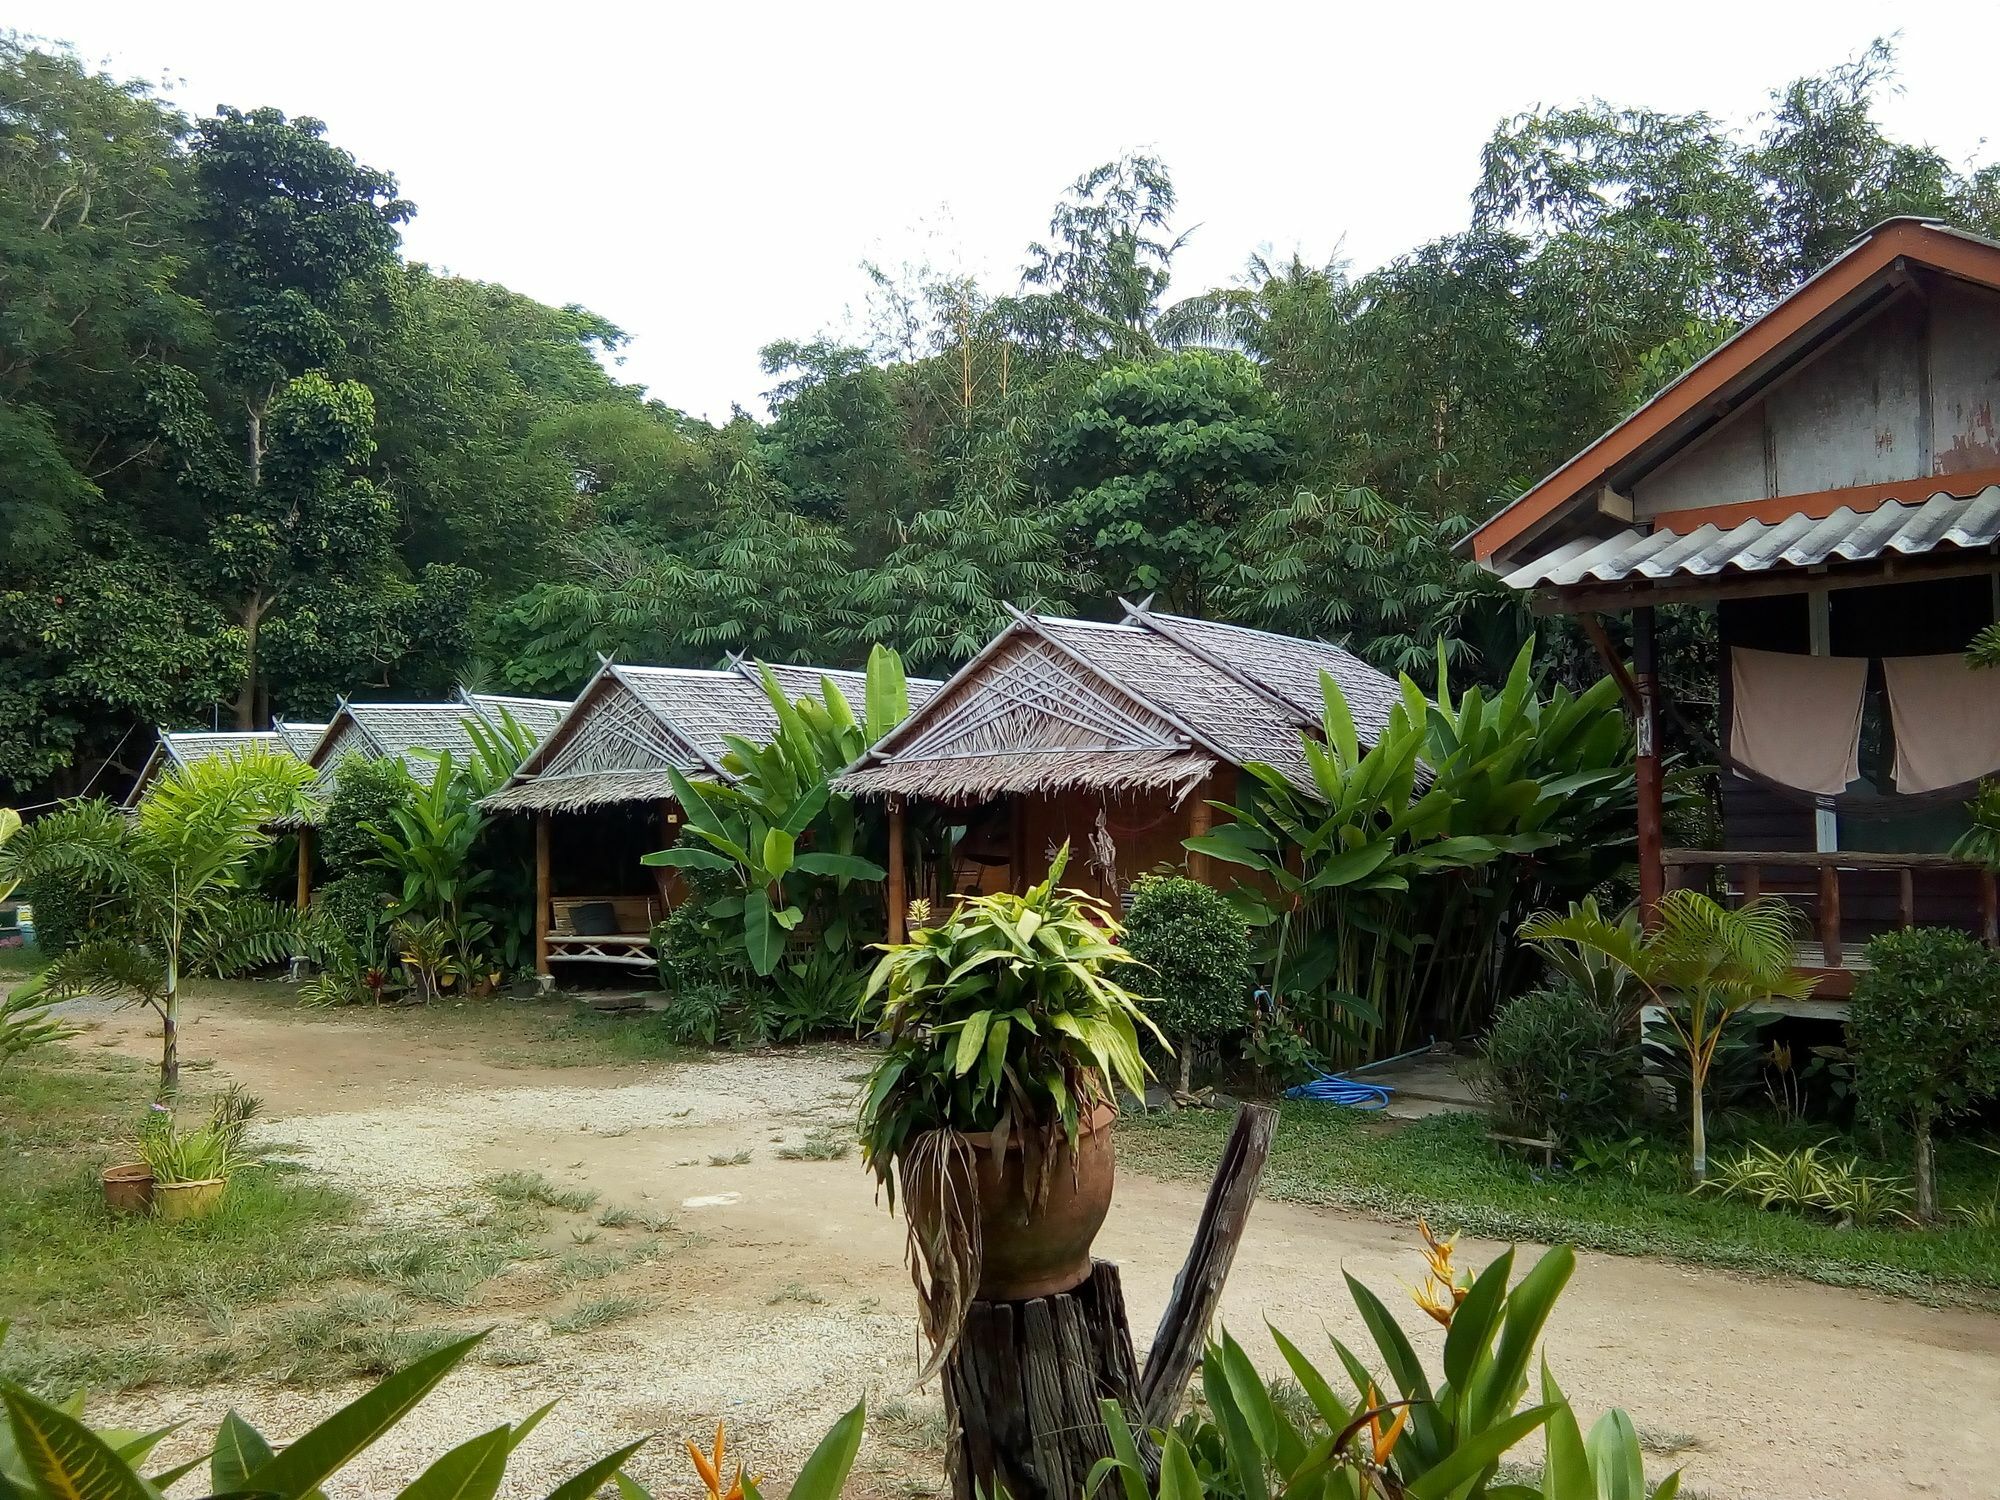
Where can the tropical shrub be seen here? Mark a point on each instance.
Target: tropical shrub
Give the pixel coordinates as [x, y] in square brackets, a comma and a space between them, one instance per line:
[47, 1451]
[1386, 894]
[1193, 941]
[1809, 1181]
[1703, 965]
[27, 1021]
[1923, 1033]
[174, 866]
[1401, 1435]
[1559, 1065]
[1001, 1018]
[203, 1153]
[65, 911]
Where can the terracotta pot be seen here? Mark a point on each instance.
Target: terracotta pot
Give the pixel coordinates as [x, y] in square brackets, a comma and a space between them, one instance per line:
[176, 1201]
[128, 1188]
[1036, 1253]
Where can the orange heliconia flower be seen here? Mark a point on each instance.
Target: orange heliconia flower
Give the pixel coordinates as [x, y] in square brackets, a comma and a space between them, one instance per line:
[1443, 1287]
[709, 1467]
[1383, 1439]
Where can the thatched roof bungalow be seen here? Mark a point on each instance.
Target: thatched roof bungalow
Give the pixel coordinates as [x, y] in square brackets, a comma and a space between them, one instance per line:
[1111, 737]
[604, 769]
[420, 731]
[187, 747]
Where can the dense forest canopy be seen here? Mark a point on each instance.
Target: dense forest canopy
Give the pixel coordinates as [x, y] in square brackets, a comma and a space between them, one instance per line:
[253, 458]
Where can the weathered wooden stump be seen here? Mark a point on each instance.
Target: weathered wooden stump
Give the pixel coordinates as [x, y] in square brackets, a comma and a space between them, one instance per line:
[1023, 1383]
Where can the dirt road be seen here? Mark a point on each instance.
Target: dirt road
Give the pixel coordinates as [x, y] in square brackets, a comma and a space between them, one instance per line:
[787, 1297]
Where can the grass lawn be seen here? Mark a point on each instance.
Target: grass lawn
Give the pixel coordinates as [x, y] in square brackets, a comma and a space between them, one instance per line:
[286, 1282]
[1445, 1168]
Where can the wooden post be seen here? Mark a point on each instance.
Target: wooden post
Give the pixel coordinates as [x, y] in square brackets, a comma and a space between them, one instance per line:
[1829, 912]
[541, 893]
[898, 903]
[1989, 908]
[305, 882]
[1752, 883]
[1201, 818]
[1017, 842]
[1906, 898]
[1646, 727]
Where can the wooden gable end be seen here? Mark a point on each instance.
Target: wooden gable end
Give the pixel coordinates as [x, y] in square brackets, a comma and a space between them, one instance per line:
[1032, 697]
[615, 732]
[1906, 399]
[349, 739]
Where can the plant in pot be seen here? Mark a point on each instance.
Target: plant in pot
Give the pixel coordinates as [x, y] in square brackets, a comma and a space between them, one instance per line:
[991, 1107]
[191, 1168]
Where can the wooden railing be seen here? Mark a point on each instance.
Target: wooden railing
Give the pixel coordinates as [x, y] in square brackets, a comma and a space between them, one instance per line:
[1746, 872]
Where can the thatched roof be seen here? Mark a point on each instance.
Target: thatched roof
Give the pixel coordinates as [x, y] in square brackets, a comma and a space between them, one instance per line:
[632, 723]
[300, 738]
[187, 747]
[1153, 702]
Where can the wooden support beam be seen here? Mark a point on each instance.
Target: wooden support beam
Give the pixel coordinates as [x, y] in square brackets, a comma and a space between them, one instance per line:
[1017, 842]
[305, 872]
[1201, 817]
[541, 893]
[1829, 914]
[1906, 898]
[1751, 881]
[1646, 766]
[1989, 909]
[1183, 1330]
[897, 900]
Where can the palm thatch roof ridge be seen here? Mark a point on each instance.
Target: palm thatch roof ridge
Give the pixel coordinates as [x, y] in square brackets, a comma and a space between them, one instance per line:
[187, 747]
[1152, 701]
[631, 724]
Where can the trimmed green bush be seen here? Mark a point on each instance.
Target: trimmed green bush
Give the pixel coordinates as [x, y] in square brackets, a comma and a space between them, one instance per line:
[1559, 1065]
[1198, 950]
[1924, 1035]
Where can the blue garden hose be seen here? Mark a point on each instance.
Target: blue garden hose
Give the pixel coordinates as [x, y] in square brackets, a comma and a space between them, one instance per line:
[1331, 1088]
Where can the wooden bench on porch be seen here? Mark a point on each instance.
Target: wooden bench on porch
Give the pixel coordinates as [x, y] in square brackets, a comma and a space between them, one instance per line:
[604, 929]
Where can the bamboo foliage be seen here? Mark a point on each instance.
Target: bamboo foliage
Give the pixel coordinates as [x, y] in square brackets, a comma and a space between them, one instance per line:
[1386, 895]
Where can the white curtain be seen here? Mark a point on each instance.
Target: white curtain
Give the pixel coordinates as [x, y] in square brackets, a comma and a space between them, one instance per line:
[1797, 719]
[1946, 717]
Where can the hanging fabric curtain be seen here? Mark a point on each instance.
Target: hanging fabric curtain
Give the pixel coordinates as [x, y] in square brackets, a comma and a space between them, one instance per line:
[1946, 717]
[1796, 720]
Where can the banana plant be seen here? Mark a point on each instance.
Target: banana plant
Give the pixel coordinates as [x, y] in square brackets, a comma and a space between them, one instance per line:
[1388, 888]
[761, 857]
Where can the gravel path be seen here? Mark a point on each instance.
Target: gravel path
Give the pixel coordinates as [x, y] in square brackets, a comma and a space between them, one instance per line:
[783, 1298]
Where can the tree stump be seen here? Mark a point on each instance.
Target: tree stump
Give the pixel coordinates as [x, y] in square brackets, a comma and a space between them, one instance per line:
[1023, 1383]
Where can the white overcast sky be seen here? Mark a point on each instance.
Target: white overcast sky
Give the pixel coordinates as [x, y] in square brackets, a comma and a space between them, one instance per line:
[709, 176]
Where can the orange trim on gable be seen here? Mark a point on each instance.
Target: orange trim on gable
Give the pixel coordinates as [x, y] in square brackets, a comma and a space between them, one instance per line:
[1820, 504]
[1925, 244]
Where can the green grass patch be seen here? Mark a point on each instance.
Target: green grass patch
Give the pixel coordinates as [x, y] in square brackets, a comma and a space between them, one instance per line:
[282, 1282]
[534, 1188]
[1445, 1168]
[598, 1312]
[821, 1143]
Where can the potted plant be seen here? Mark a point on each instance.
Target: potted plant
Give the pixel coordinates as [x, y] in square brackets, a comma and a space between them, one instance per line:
[191, 1168]
[993, 1102]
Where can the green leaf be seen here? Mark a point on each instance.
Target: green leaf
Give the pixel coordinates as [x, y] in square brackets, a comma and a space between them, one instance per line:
[846, 866]
[306, 1464]
[763, 939]
[240, 1450]
[685, 857]
[1246, 1462]
[587, 1482]
[971, 1038]
[778, 849]
[1473, 1456]
[1178, 1480]
[66, 1460]
[824, 1474]
[1617, 1458]
[471, 1471]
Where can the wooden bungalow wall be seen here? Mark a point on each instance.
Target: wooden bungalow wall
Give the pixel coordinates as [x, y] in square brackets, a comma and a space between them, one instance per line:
[1147, 828]
[1912, 619]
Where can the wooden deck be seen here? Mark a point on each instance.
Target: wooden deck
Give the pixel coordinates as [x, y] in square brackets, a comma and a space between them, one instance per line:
[1820, 883]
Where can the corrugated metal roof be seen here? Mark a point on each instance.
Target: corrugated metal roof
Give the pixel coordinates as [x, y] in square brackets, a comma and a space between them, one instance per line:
[1764, 546]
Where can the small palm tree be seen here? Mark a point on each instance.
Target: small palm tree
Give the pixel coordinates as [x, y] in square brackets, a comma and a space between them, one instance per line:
[1703, 964]
[172, 875]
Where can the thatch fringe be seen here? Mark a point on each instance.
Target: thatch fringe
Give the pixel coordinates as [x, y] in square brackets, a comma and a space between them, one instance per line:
[974, 778]
[580, 792]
